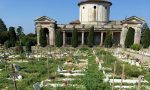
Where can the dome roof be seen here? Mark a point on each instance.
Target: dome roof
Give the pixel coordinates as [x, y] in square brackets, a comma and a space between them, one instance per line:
[94, 1]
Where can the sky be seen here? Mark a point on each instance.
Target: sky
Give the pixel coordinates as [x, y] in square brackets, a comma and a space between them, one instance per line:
[24, 12]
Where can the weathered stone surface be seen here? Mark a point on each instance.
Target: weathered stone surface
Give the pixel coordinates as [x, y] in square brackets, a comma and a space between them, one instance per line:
[108, 26]
[137, 37]
[61, 26]
[87, 26]
[92, 13]
[38, 35]
[117, 26]
[123, 35]
[99, 26]
[69, 26]
[79, 26]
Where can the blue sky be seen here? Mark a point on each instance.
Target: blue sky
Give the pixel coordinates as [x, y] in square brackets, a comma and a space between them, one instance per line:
[23, 12]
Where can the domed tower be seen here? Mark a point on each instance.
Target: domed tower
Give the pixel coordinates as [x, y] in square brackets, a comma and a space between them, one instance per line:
[94, 11]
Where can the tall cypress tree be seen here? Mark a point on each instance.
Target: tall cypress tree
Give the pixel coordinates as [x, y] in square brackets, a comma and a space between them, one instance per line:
[108, 40]
[129, 37]
[146, 39]
[59, 38]
[91, 37]
[2, 26]
[3, 32]
[74, 39]
[19, 33]
[3, 36]
[28, 46]
[43, 40]
[12, 36]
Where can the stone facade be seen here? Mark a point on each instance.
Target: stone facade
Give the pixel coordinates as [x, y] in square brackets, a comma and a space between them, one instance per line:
[92, 13]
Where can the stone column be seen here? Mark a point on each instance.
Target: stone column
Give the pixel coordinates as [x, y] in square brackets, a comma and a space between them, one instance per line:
[50, 41]
[51, 35]
[82, 38]
[137, 36]
[112, 37]
[64, 38]
[123, 35]
[101, 43]
[38, 28]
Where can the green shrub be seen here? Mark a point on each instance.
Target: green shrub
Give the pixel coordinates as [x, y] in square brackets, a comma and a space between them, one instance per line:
[91, 37]
[136, 47]
[132, 71]
[129, 38]
[108, 40]
[43, 39]
[84, 49]
[7, 44]
[28, 47]
[74, 39]
[59, 38]
[12, 36]
[2, 65]
[146, 39]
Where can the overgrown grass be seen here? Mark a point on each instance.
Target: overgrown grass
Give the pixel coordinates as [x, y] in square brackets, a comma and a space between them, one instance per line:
[93, 79]
[109, 61]
[32, 72]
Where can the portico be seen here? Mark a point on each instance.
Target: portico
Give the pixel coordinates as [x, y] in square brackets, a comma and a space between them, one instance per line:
[99, 34]
[92, 13]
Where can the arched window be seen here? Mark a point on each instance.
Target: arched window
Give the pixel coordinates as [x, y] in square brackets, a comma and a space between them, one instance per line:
[94, 7]
[83, 7]
[94, 13]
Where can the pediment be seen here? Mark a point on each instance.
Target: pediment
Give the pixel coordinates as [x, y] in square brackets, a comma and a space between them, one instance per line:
[133, 20]
[45, 19]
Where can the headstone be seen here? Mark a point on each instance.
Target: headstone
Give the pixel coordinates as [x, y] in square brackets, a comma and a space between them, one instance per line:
[16, 75]
[137, 64]
[104, 72]
[107, 78]
[16, 67]
[20, 77]
[133, 63]
[130, 61]
[59, 68]
[36, 86]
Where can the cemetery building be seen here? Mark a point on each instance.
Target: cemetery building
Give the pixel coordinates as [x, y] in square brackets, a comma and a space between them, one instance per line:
[92, 13]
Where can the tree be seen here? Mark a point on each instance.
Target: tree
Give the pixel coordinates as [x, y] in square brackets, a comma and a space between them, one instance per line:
[3, 32]
[7, 44]
[129, 37]
[74, 39]
[28, 47]
[29, 37]
[2, 26]
[43, 40]
[3, 36]
[146, 39]
[12, 36]
[59, 38]
[19, 33]
[108, 40]
[91, 37]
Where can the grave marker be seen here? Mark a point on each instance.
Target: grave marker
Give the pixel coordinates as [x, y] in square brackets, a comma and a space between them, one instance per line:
[36, 86]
